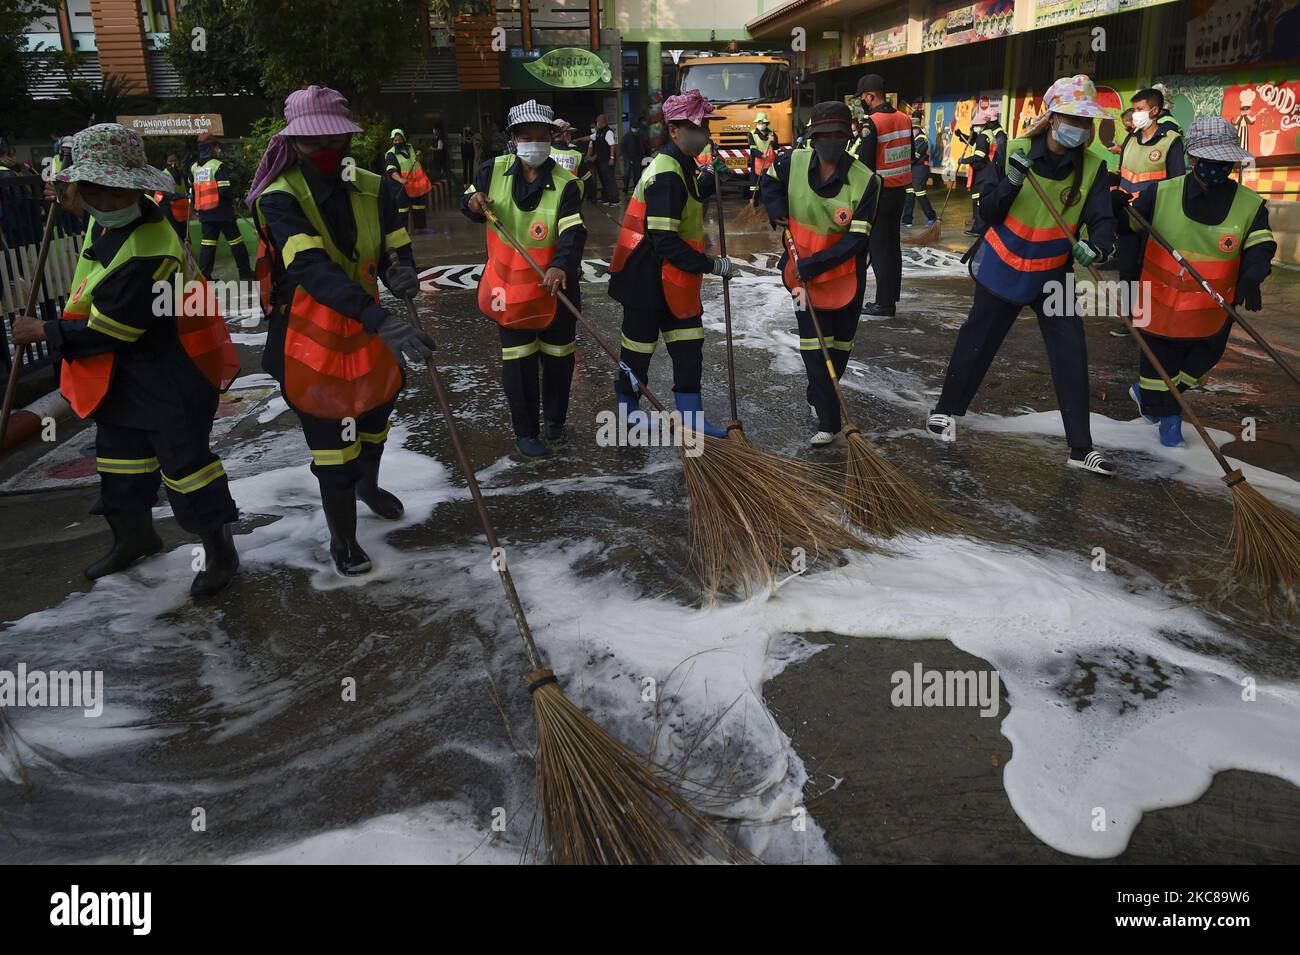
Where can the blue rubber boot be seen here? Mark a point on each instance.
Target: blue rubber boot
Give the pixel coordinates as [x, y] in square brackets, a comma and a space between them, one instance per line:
[691, 405]
[1135, 392]
[532, 447]
[629, 408]
[1171, 431]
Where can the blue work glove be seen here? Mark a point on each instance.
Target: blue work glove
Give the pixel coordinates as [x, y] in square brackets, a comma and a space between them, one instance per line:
[1085, 253]
[724, 267]
[1018, 166]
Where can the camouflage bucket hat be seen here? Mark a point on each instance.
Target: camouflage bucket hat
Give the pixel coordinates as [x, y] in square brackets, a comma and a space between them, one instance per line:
[112, 155]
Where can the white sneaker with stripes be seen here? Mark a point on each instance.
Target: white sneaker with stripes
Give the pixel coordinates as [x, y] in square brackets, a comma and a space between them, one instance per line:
[821, 439]
[1093, 461]
[942, 425]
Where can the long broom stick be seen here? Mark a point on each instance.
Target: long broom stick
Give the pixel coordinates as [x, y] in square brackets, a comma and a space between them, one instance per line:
[1265, 538]
[1210, 290]
[33, 293]
[600, 803]
[932, 231]
[747, 506]
[881, 499]
[734, 429]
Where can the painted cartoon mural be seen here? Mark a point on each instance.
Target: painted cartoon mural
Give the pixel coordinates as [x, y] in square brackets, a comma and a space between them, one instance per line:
[947, 116]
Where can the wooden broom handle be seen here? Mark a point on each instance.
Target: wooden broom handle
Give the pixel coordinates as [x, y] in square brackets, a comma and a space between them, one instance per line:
[33, 293]
[788, 238]
[726, 302]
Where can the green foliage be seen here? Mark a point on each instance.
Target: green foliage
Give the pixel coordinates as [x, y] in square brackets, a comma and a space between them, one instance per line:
[104, 100]
[226, 60]
[368, 146]
[17, 69]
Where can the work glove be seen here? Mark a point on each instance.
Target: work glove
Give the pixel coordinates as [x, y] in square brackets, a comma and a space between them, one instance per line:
[404, 340]
[1018, 166]
[1119, 200]
[719, 167]
[724, 267]
[1085, 253]
[1248, 295]
[402, 281]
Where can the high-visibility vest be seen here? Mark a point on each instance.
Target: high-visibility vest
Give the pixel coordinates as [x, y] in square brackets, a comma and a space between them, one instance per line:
[333, 367]
[1143, 164]
[509, 291]
[1180, 308]
[920, 146]
[893, 159]
[681, 289]
[179, 205]
[202, 333]
[417, 181]
[206, 177]
[1024, 251]
[569, 159]
[817, 222]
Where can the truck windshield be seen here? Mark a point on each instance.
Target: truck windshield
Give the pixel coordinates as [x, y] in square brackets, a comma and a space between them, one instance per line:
[727, 81]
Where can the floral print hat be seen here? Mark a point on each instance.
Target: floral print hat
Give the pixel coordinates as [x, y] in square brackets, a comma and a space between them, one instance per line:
[109, 154]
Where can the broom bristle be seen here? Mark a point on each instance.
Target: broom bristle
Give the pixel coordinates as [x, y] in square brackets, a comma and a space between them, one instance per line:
[749, 509]
[603, 806]
[926, 236]
[1265, 542]
[882, 500]
[750, 216]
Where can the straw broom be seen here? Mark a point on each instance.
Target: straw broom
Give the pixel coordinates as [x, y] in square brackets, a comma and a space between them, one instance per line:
[1265, 539]
[881, 499]
[33, 293]
[931, 232]
[748, 508]
[600, 804]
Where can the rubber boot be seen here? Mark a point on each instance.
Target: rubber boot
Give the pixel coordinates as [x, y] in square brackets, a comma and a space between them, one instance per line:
[532, 447]
[133, 538]
[629, 408]
[220, 563]
[691, 405]
[340, 506]
[1171, 431]
[384, 503]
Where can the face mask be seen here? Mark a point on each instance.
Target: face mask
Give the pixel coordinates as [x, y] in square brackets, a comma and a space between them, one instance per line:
[829, 150]
[115, 219]
[534, 154]
[693, 141]
[1141, 119]
[326, 160]
[1213, 173]
[1071, 137]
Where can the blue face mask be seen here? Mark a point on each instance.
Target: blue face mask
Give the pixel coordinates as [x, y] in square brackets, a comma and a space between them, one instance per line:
[1213, 173]
[115, 219]
[1071, 137]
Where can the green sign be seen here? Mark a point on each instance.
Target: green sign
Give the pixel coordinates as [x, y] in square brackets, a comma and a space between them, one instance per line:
[563, 67]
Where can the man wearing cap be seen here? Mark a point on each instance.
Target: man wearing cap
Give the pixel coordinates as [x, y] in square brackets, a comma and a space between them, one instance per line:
[916, 192]
[1221, 228]
[827, 201]
[213, 200]
[762, 151]
[988, 142]
[151, 391]
[659, 264]
[539, 203]
[886, 148]
[339, 355]
[1023, 259]
[400, 165]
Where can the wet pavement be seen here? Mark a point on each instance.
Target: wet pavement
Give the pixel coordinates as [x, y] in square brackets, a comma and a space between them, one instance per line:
[1116, 686]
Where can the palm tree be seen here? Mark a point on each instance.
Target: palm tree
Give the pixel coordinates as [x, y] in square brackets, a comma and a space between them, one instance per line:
[104, 101]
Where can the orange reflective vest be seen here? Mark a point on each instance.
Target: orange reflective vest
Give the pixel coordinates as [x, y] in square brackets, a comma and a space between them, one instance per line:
[681, 289]
[333, 367]
[509, 291]
[817, 222]
[893, 159]
[178, 204]
[206, 184]
[1180, 308]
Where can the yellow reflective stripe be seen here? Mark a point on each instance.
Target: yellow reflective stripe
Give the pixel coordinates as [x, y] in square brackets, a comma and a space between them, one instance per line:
[910, 191]
[862, 225]
[520, 351]
[978, 154]
[376, 437]
[1183, 378]
[106, 326]
[199, 479]
[334, 457]
[470, 190]
[663, 223]
[222, 182]
[1258, 236]
[683, 335]
[918, 192]
[809, 344]
[397, 238]
[1151, 384]
[208, 241]
[568, 222]
[300, 242]
[644, 348]
[559, 351]
[974, 195]
[842, 345]
[163, 271]
[771, 171]
[126, 465]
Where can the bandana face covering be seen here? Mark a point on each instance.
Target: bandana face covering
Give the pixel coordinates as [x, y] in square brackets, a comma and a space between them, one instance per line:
[327, 160]
[1213, 173]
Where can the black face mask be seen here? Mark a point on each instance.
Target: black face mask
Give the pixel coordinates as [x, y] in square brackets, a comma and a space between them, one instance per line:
[1213, 173]
[830, 150]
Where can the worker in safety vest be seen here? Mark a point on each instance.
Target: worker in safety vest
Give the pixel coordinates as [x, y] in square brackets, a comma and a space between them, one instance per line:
[1150, 154]
[1220, 228]
[659, 264]
[762, 152]
[988, 142]
[540, 204]
[403, 168]
[886, 148]
[149, 376]
[827, 200]
[213, 200]
[339, 355]
[1023, 258]
[916, 192]
[176, 201]
[568, 156]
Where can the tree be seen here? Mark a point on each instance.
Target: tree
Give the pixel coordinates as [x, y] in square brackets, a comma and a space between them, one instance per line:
[103, 101]
[17, 67]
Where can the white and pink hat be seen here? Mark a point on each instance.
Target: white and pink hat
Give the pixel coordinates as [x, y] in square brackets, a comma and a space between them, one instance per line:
[317, 111]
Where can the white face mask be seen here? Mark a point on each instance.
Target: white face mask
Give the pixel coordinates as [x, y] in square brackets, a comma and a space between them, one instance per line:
[534, 154]
[115, 219]
[1141, 119]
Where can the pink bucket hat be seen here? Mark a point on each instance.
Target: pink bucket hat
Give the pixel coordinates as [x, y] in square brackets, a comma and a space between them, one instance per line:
[690, 106]
[317, 111]
[1074, 96]
[983, 116]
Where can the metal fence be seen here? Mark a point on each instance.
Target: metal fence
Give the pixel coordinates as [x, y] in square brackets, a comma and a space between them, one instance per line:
[23, 208]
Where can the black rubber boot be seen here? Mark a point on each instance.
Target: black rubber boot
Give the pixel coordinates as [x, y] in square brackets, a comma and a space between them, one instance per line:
[133, 538]
[341, 515]
[220, 563]
[384, 503]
